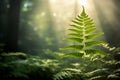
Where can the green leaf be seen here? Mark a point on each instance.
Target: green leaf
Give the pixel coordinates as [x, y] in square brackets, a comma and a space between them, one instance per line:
[75, 47]
[92, 36]
[94, 43]
[79, 19]
[75, 30]
[89, 23]
[74, 54]
[90, 30]
[75, 39]
[77, 26]
[76, 35]
[77, 22]
[96, 52]
[87, 20]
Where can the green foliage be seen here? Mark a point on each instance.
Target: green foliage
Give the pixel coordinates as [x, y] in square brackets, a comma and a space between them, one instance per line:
[30, 68]
[20, 66]
[93, 67]
[50, 66]
[97, 74]
[111, 68]
[83, 36]
[112, 62]
[62, 75]
[69, 74]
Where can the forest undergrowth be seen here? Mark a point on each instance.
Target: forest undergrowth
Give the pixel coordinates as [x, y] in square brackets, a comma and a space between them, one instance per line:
[82, 60]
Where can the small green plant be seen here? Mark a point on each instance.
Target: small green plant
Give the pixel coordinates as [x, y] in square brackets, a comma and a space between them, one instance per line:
[83, 36]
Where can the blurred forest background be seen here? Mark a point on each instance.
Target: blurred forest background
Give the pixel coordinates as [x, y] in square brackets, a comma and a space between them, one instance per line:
[39, 26]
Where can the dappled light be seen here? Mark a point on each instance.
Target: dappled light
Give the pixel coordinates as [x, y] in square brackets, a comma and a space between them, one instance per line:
[59, 40]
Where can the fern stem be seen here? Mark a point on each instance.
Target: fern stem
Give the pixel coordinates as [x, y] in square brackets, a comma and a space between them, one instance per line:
[83, 42]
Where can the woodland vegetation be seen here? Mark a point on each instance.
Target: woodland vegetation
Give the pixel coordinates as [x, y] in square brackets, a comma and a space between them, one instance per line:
[25, 55]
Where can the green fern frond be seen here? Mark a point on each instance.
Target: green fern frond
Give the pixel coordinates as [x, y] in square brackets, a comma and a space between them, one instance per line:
[62, 75]
[74, 54]
[75, 39]
[73, 70]
[113, 76]
[95, 52]
[96, 78]
[94, 43]
[76, 47]
[92, 36]
[82, 34]
[75, 34]
[69, 74]
[99, 74]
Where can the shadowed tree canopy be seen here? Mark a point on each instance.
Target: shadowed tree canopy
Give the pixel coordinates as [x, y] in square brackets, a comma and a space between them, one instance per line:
[13, 25]
[111, 30]
[3, 19]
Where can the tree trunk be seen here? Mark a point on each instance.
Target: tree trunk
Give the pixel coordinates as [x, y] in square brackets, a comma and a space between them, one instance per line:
[3, 20]
[13, 26]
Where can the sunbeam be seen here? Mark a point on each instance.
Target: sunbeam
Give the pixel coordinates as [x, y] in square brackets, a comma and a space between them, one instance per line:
[102, 12]
[59, 40]
[57, 15]
[109, 20]
[65, 10]
[83, 2]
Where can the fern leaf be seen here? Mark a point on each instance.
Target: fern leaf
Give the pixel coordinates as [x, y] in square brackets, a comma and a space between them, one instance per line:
[94, 43]
[74, 54]
[76, 47]
[76, 26]
[92, 36]
[96, 52]
[89, 27]
[62, 75]
[73, 70]
[97, 72]
[77, 22]
[83, 35]
[89, 23]
[75, 30]
[89, 20]
[96, 78]
[79, 19]
[91, 30]
[75, 34]
[113, 76]
[75, 40]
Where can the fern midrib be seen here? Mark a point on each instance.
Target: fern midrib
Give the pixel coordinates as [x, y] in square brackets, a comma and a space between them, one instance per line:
[84, 39]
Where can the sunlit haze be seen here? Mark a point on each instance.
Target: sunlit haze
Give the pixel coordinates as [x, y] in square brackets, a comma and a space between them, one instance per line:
[57, 14]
